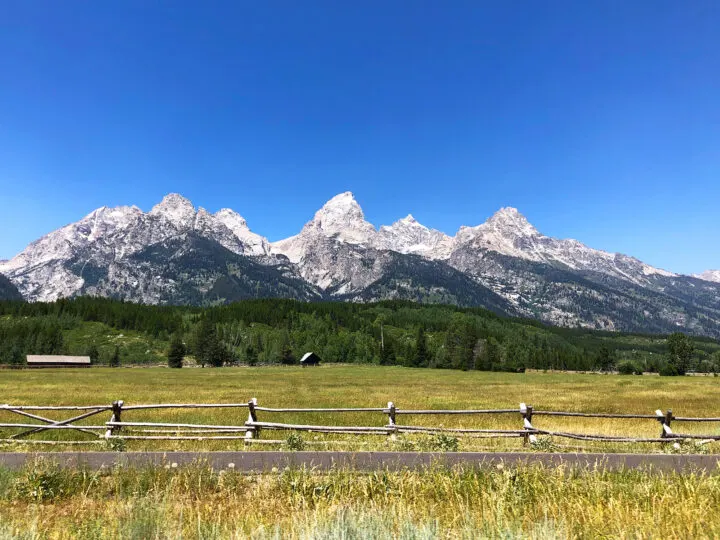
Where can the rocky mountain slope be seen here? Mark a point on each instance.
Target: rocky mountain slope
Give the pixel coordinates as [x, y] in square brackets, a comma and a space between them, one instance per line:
[176, 253]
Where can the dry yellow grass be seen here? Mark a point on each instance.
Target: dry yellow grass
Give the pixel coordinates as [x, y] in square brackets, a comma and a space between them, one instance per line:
[371, 386]
[196, 502]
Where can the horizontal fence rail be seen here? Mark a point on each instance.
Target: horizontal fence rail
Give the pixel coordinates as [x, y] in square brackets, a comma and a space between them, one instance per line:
[250, 431]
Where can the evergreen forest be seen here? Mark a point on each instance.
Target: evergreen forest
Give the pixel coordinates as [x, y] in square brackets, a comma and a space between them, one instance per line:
[276, 331]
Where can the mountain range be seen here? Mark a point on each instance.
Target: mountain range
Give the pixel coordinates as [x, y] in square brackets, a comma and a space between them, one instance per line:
[176, 253]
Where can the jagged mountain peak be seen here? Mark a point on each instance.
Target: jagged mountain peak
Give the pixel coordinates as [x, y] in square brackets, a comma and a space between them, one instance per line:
[342, 203]
[508, 232]
[407, 222]
[342, 217]
[346, 198]
[254, 243]
[176, 209]
[229, 216]
[509, 220]
[106, 220]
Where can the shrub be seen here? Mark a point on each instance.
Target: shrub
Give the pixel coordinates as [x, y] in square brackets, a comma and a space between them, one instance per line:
[41, 481]
[669, 370]
[116, 445]
[545, 444]
[295, 442]
[443, 443]
[629, 367]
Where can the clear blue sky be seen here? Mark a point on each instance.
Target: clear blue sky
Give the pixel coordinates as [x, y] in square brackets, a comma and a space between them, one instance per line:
[599, 120]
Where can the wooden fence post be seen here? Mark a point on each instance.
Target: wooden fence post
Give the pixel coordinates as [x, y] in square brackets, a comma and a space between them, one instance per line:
[116, 417]
[526, 411]
[391, 420]
[253, 433]
[665, 420]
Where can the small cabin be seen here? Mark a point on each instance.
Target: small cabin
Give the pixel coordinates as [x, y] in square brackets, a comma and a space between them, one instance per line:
[310, 359]
[56, 361]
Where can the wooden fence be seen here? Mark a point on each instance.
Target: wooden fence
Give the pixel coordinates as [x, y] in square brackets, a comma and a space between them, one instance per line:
[120, 427]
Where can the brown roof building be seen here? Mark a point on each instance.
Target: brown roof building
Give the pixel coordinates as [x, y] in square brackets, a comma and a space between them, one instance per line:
[52, 360]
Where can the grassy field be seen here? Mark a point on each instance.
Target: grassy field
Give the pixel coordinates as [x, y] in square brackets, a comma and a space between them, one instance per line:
[196, 502]
[371, 386]
[42, 501]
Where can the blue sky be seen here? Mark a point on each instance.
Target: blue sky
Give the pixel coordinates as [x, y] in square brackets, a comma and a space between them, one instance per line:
[599, 120]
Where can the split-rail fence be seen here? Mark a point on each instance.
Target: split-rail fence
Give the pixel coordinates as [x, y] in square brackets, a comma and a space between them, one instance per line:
[120, 425]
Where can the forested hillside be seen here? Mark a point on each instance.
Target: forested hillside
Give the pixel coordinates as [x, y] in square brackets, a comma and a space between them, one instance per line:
[8, 291]
[280, 331]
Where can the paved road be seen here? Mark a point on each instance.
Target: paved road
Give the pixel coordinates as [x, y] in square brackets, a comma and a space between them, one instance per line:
[368, 461]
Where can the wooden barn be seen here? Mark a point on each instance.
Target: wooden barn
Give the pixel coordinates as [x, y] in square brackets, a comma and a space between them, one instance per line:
[310, 359]
[56, 361]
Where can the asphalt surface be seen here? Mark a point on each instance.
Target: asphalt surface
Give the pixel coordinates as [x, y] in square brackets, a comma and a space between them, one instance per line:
[260, 461]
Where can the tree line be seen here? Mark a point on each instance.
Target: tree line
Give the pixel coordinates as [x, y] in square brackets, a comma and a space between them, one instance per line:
[268, 331]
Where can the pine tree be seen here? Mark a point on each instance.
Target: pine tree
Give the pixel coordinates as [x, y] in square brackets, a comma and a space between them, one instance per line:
[176, 354]
[115, 358]
[17, 359]
[251, 355]
[204, 341]
[460, 343]
[387, 354]
[93, 353]
[287, 357]
[420, 357]
[216, 354]
[605, 360]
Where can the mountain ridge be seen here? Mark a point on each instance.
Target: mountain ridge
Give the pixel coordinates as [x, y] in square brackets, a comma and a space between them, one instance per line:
[504, 263]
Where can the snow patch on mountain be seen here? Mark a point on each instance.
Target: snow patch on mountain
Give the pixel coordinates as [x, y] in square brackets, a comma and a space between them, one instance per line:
[710, 275]
[407, 235]
[254, 243]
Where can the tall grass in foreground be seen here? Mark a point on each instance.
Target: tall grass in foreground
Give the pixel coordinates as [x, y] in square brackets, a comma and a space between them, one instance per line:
[42, 501]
